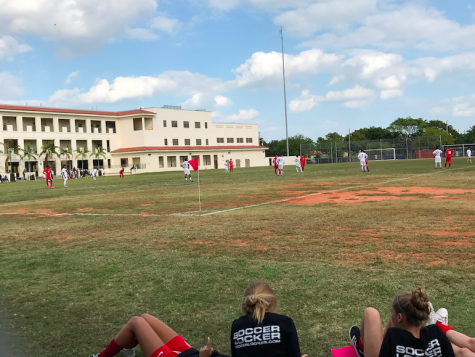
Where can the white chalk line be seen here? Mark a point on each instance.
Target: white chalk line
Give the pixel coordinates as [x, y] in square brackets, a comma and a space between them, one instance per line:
[206, 213]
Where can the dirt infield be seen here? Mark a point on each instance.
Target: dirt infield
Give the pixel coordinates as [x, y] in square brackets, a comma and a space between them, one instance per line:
[378, 194]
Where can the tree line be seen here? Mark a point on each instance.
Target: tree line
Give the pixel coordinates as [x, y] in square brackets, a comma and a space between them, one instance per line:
[399, 128]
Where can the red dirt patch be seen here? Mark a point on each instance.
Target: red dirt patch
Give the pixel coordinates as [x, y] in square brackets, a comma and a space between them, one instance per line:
[86, 209]
[19, 210]
[460, 243]
[378, 194]
[290, 192]
[437, 262]
[147, 203]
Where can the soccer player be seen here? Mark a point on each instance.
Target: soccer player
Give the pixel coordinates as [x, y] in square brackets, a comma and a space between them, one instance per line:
[366, 160]
[231, 165]
[226, 166]
[64, 173]
[280, 164]
[186, 167]
[469, 155]
[361, 157]
[94, 174]
[276, 165]
[448, 158]
[303, 161]
[438, 159]
[298, 165]
[49, 179]
[121, 173]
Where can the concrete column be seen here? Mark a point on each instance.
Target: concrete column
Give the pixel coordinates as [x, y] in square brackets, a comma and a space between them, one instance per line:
[88, 126]
[38, 124]
[21, 144]
[143, 123]
[19, 123]
[56, 125]
[103, 127]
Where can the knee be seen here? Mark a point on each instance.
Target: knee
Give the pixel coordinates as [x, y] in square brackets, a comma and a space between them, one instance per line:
[471, 344]
[463, 352]
[371, 313]
[145, 316]
[136, 321]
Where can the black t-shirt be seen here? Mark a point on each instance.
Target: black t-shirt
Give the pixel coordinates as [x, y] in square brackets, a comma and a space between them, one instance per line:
[402, 343]
[276, 336]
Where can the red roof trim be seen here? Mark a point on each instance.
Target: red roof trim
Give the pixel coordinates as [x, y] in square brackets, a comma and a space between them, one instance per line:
[73, 111]
[186, 148]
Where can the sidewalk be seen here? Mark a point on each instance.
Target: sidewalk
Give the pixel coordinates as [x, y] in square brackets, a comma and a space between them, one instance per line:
[9, 341]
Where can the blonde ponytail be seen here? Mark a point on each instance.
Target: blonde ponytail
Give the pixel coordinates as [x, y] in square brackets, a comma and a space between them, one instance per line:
[258, 299]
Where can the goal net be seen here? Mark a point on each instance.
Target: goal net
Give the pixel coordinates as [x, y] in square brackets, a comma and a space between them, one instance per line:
[381, 154]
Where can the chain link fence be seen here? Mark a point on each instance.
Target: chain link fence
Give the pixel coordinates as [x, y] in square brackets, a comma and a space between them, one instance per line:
[331, 151]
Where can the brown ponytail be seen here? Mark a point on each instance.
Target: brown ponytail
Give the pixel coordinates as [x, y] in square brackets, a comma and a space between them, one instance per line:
[258, 299]
[414, 305]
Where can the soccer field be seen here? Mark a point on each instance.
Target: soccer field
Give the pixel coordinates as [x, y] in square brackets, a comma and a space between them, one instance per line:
[76, 263]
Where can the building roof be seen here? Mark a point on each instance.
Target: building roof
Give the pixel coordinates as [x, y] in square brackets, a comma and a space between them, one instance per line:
[72, 111]
[186, 148]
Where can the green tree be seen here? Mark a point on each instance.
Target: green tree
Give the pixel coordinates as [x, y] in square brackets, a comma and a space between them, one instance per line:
[82, 153]
[447, 139]
[29, 152]
[97, 153]
[49, 150]
[408, 127]
[278, 147]
[67, 152]
[470, 135]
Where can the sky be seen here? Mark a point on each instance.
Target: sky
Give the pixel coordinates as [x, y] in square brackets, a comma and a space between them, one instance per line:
[349, 63]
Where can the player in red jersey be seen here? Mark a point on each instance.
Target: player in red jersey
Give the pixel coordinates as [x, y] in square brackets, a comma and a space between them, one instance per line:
[448, 158]
[303, 161]
[121, 173]
[276, 166]
[49, 179]
[231, 165]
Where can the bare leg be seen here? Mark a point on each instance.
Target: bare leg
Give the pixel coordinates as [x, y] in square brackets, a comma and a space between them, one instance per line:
[138, 328]
[462, 352]
[371, 332]
[161, 329]
[461, 340]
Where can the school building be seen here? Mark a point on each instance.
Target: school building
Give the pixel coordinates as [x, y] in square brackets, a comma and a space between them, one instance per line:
[151, 139]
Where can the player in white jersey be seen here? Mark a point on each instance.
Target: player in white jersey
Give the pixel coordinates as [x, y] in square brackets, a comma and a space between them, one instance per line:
[94, 174]
[280, 165]
[438, 158]
[186, 168]
[298, 165]
[64, 174]
[362, 157]
[469, 155]
[226, 166]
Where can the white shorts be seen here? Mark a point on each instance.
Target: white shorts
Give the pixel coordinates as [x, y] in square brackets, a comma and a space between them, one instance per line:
[363, 162]
[437, 160]
[187, 171]
[65, 179]
[281, 166]
[299, 166]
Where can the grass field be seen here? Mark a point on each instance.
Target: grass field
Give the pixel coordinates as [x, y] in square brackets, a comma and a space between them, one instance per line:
[77, 262]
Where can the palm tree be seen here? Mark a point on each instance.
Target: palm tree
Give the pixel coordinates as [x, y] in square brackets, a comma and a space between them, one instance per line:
[29, 152]
[49, 150]
[82, 153]
[98, 152]
[10, 147]
[66, 152]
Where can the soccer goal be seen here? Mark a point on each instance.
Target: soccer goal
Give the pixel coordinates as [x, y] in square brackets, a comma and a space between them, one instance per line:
[381, 154]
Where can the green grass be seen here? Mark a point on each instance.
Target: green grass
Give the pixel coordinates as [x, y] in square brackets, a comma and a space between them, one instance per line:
[70, 282]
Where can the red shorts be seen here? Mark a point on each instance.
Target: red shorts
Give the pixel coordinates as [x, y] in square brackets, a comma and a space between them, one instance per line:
[448, 159]
[173, 348]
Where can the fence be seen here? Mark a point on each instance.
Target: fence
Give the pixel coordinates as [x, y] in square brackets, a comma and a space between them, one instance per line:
[329, 151]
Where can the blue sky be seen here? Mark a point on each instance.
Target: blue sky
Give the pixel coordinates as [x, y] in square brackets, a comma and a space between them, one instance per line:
[350, 64]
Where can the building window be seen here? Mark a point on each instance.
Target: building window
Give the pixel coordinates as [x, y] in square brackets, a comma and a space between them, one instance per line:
[249, 140]
[166, 142]
[171, 161]
[197, 125]
[230, 140]
[164, 123]
[160, 162]
[198, 141]
[183, 158]
[186, 124]
[207, 160]
[175, 141]
[187, 141]
[220, 140]
[240, 140]
[207, 142]
[174, 124]
[206, 125]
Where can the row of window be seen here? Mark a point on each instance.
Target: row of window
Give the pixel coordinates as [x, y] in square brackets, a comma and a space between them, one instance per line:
[171, 160]
[186, 124]
[231, 140]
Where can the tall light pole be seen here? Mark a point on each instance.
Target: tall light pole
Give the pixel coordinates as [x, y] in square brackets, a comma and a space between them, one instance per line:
[285, 92]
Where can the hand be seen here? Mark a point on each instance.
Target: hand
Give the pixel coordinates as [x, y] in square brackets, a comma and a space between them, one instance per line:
[305, 356]
[207, 350]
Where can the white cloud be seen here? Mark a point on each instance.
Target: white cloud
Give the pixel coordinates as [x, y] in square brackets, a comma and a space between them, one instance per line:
[10, 86]
[165, 24]
[438, 111]
[10, 47]
[78, 26]
[140, 34]
[222, 101]
[243, 115]
[354, 93]
[70, 77]
[463, 110]
[390, 93]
